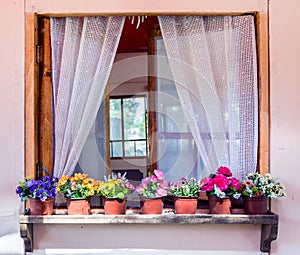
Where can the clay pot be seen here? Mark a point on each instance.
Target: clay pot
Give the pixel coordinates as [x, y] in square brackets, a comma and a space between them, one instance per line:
[78, 206]
[185, 205]
[219, 205]
[38, 207]
[152, 205]
[256, 205]
[114, 206]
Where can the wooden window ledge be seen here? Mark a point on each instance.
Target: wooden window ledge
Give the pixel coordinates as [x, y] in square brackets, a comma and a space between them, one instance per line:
[269, 222]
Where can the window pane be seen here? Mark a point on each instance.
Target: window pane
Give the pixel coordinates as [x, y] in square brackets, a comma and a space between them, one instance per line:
[116, 150]
[129, 149]
[115, 119]
[141, 148]
[134, 118]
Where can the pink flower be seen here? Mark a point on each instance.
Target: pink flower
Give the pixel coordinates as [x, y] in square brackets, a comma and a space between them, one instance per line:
[130, 186]
[161, 192]
[145, 181]
[160, 175]
[235, 183]
[224, 170]
[164, 183]
[221, 182]
[206, 184]
[154, 178]
[153, 185]
[139, 188]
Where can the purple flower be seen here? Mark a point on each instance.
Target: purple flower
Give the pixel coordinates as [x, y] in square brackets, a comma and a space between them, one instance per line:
[19, 190]
[41, 189]
[29, 183]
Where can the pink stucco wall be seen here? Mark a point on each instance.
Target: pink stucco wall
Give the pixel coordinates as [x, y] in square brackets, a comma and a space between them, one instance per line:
[11, 106]
[285, 123]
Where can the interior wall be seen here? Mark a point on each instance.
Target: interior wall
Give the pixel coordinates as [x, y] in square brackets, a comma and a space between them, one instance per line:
[129, 77]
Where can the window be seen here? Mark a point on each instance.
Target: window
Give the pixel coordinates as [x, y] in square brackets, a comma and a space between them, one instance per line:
[128, 127]
[262, 122]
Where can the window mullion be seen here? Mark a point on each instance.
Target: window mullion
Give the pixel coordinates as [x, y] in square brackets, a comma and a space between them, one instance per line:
[123, 135]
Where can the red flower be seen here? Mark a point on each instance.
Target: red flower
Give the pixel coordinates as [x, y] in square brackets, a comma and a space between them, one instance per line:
[224, 170]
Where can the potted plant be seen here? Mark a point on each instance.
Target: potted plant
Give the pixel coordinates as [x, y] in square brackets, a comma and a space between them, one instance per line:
[220, 188]
[78, 190]
[115, 189]
[40, 193]
[185, 193]
[152, 190]
[256, 190]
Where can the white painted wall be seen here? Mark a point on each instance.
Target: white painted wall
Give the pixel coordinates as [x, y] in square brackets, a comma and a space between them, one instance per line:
[285, 146]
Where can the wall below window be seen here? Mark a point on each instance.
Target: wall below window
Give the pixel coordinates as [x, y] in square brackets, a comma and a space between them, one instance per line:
[150, 237]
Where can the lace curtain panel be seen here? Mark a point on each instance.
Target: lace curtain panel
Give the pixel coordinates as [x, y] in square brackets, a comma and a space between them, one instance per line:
[83, 50]
[214, 66]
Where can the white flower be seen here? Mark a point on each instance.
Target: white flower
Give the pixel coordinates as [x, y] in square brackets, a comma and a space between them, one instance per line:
[218, 192]
[237, 196]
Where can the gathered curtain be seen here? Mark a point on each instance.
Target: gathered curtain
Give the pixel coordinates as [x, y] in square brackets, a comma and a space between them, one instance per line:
[83, 50]
[214, 67]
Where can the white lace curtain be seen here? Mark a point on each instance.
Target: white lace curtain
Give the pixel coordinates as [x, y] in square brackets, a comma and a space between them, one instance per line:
[213, 62]
[83, 50]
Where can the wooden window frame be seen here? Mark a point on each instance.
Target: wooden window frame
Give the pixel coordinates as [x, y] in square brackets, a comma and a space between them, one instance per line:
[37, 134]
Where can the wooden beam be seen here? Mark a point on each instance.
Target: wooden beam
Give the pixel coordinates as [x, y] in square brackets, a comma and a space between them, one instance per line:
[152, 107]
[31, 96]
[45, 123]
[263, 83]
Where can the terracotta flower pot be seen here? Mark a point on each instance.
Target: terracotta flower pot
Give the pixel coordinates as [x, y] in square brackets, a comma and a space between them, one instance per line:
[152, 205]
[114, 206]
[219, 205]
[185, 205]
[256, 205]
[38, 207]
[78, 206]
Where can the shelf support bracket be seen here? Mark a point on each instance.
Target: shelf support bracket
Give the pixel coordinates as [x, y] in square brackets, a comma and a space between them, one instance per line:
[26, 232]
[268, 234]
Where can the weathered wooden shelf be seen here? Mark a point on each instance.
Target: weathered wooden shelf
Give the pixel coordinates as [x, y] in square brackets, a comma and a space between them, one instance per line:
[269, 222]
